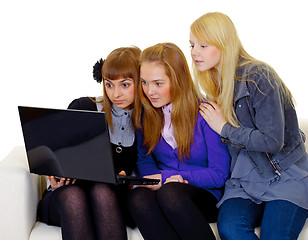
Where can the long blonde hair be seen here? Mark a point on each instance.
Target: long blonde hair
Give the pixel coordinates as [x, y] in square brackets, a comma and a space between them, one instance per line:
[218, 30]
[184, 99]
[120, 63]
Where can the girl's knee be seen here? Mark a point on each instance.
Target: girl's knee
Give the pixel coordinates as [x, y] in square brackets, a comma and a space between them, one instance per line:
[234, 226]
[169, 191]
[138, 197]
[226, 226]
[71, 197]
[171, 197]
[101, 189]
[68, 192]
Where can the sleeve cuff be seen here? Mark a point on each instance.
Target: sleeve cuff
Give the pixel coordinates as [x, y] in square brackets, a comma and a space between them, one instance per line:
[225, 130]
[167, 173]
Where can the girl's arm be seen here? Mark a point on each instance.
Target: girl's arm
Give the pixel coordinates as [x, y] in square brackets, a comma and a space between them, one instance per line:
[268, 123]
[261, 130]
[216, 172]
[145, 163]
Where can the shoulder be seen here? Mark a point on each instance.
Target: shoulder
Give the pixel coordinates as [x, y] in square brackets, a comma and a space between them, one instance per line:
[204, 131]
[251, 69]
[83, 103]
[258, 76]
[201, 121]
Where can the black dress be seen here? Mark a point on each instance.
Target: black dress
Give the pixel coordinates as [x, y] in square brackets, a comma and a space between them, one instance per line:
[123, 160]
[126, 158]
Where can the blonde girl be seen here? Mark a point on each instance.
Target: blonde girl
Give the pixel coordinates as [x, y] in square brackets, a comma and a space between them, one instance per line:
[253, 111]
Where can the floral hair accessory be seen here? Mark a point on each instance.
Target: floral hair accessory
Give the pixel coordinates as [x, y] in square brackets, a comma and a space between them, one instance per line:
[97, 70]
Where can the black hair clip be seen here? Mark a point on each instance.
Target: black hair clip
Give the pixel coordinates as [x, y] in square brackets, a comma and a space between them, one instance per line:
[97, 70]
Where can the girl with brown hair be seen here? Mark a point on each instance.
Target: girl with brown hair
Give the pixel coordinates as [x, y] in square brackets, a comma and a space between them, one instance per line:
[177, 146]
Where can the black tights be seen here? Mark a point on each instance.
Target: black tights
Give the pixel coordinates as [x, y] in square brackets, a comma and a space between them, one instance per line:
[175, 211]
[88, 211]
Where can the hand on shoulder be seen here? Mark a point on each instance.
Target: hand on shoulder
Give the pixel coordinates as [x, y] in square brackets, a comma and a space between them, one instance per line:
[213, 115]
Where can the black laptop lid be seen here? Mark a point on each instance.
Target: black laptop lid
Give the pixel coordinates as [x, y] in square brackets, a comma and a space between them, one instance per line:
[67, 143]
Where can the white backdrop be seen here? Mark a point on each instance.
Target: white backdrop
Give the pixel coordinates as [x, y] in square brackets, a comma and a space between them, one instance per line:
[48, 48]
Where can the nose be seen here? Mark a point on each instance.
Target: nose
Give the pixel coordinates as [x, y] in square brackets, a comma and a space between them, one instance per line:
[148, 89]
[194, 51]
[117, 92]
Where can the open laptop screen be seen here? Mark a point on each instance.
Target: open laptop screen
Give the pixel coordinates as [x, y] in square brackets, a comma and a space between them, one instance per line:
[67, 143]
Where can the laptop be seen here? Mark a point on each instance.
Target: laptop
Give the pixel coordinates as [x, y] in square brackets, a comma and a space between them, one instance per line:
[71, 143]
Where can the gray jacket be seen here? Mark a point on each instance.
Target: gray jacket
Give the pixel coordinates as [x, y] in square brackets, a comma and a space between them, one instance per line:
[269, 130]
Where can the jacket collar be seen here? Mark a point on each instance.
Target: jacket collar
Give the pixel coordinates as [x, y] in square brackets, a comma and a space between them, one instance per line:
[240, 90]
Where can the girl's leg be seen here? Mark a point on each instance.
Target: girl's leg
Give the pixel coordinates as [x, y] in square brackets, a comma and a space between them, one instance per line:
[69, 208]
[238, 218]
[149, 218]
[109, 223]
[189, 210]
[282, 220]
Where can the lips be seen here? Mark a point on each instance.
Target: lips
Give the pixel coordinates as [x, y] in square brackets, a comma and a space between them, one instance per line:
[154, 99]
[118, 101]
[198, 61]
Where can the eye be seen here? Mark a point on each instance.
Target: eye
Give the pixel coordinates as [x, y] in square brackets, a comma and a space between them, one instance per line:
[125, 85]
[143, 82]
[159, 83]
[203, 45]
[191, 46]
[108, 85]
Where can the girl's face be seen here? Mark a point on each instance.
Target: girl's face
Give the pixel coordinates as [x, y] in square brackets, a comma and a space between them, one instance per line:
[203, 55]
[155, 83]
[121, 92]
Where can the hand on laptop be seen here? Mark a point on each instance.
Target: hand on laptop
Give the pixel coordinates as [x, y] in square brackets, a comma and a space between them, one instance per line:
[55, 183]
[153, 187]
[176, 178]
[122, 173]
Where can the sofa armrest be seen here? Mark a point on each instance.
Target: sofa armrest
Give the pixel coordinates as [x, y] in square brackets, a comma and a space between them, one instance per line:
[19, 198]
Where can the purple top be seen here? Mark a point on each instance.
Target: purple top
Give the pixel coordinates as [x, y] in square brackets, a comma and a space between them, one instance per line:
[207, 167]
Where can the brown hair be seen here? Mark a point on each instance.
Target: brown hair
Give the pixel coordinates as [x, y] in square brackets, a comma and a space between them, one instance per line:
[120, 63]
[183, 97]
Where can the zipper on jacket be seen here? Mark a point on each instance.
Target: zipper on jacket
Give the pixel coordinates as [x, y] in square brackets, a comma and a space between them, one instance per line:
[274, 166]
[276, 169]
[226, 141]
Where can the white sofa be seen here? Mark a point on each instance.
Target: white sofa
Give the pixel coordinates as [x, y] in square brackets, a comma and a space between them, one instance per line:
[20, 192]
